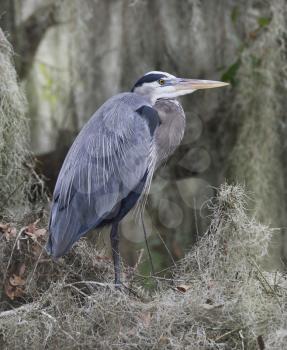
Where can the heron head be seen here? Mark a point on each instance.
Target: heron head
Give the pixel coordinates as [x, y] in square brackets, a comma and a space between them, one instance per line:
[156, 85]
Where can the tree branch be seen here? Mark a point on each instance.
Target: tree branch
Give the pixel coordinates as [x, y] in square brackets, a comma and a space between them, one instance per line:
[29, 35]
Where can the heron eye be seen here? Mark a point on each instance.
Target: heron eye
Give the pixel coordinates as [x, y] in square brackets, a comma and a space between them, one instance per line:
[161, 82]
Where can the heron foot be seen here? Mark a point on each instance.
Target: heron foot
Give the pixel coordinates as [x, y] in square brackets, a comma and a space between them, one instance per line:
[118, 284]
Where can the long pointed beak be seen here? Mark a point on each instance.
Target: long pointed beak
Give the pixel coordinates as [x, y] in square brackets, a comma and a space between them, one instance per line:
[195, 84]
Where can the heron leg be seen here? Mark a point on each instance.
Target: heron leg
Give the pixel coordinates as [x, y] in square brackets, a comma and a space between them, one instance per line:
[116, 254]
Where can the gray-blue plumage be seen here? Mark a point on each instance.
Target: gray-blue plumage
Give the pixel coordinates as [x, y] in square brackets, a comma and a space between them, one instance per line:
[112, 161]
[107, 163]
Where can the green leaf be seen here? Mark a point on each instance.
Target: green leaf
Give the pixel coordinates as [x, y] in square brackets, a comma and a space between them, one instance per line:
[230, 74]
[263, 21]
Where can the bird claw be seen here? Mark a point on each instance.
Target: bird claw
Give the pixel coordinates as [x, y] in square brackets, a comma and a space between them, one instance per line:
[119, 286]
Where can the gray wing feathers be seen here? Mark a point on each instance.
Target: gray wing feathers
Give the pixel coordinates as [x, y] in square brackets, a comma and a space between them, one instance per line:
[108, 159]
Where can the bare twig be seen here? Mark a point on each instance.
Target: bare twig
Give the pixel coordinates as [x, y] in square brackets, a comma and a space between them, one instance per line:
[166, 247]
[24, 308]
[12, 252]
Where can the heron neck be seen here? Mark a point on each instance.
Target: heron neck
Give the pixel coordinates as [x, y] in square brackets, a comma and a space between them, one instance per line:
[170, 132]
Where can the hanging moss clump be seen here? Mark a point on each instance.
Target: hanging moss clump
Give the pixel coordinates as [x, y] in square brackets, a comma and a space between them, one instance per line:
[15, 160]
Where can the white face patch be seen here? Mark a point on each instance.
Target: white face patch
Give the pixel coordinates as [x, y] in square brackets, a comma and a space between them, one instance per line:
[147, 88]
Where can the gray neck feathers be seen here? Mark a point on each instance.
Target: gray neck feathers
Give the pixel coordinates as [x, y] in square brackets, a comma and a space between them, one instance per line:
[170, 132]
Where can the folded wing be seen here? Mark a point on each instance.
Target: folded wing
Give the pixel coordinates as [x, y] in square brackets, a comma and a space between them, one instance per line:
[105, 169]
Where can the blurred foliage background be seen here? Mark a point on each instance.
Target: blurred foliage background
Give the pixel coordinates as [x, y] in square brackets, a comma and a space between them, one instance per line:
[72, 55]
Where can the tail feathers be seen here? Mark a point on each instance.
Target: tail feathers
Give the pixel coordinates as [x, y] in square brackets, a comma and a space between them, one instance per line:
[64, 231]
[56, 249]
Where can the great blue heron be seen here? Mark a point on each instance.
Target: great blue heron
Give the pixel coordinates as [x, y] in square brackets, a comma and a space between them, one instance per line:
[111, 163]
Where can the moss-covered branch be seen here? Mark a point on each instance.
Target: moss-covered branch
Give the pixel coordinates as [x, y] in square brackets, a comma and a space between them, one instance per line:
[218, 297]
